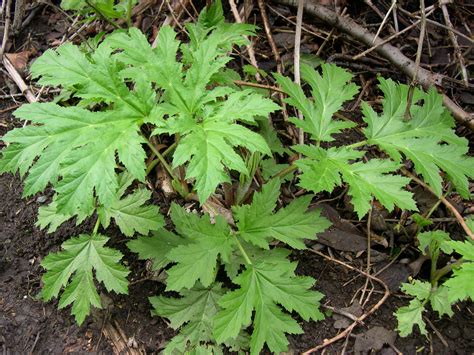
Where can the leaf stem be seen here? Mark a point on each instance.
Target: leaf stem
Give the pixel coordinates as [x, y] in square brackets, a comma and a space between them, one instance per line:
[445, 270]
[101, 14]
[129, 13]
[284, 171]
[156, 161]
[434, 262]
[242, 250]
[161, 159]
[96, 226]
[358, 144]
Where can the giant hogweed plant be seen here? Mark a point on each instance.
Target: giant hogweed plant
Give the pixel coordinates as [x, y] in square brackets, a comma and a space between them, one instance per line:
[235, 282]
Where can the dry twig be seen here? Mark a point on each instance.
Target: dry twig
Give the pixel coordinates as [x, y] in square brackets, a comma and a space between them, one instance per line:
[238, 19]
[16, 77]
[171, 19]
[369, 226]
[260, 86]
[370, 4]
[384, 20]
[6, 28]
[454, 41]
[268, 32]
[359, 320]
[448, 204]
[388, 39]
[437, 332]
[421, 39]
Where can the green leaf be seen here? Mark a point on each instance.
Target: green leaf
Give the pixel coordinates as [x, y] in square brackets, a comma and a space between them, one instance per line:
[329, 90]
[79, 257]
[207, 125]
[470, 222]
[156, 247]
[263, 285]
[432, 240]
[197, 259]
[73, 4]
[271, 168]
[212, 15]
[193, 313]
[77, 148]
[269, 133]
[466, 248]
[322, 171]
[460, 284]
[109, 8]
[418, 289]
[428, 139]
[48, 216]
[209, 149]
[244, 106]
[420, 220]
[132, 215]
[410, 315]
[439, 299]
[258, 224]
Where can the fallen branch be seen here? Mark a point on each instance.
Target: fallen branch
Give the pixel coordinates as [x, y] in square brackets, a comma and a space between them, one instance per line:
[389, 52]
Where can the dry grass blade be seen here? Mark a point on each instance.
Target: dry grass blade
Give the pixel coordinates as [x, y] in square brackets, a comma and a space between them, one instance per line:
[250, 49]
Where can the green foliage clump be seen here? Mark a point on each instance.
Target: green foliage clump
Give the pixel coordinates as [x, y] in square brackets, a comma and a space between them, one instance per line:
[440, 292]
[234, 284]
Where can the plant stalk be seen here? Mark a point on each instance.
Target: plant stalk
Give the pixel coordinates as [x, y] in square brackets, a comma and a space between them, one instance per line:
[161, 159]
[155, 162]
[96, 226]
[357, 145]
[129, 13]
[284, 171]
[242, 250]
[445, 270]
[101, 14]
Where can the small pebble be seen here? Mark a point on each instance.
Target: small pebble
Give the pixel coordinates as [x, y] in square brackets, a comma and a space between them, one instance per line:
[41, 199]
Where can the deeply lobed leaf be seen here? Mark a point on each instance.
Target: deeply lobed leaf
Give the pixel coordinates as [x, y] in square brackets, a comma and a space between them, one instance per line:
[460, 284]
[324, 169]
[329, 90]
[80, 256]
[427, 139]
[258, 224]
[195, 310]
[263, 285]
